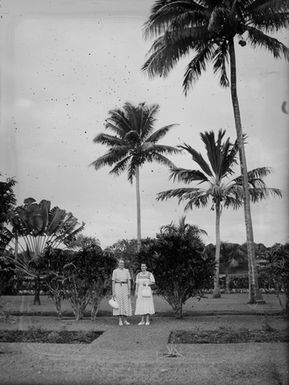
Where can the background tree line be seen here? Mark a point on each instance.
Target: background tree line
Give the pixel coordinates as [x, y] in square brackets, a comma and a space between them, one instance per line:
[44, 245]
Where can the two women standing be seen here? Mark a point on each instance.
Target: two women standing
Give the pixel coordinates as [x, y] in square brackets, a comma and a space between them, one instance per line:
[121, 293]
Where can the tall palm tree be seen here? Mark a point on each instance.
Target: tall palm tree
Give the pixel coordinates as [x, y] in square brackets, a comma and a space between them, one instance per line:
[210, 29]
[220, 189]
[133, 144]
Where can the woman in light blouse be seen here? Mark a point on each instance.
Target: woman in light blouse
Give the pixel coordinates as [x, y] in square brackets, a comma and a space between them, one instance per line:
[121, 293]
[144, 304]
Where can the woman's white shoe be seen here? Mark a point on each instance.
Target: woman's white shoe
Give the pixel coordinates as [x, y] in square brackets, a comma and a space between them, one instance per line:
[141, 323]
[126, 323]
[120, 323]
[147, 323]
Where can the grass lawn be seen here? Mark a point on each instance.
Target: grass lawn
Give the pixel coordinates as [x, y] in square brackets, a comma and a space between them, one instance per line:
[143, 355]
[227, 303]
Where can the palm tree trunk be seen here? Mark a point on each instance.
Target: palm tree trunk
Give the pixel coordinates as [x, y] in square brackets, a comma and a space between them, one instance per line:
[138, 209]
[37, 291]
[16, 246]
[227, 282]
[216, 292]
[254, 292]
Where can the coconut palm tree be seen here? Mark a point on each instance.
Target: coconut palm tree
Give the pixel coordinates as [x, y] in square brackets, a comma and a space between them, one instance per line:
[209, 29]
[220, 189]
[133, 144]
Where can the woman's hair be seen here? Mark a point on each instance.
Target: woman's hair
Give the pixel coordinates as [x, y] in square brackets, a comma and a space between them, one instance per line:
[120, 260]
[143, 263]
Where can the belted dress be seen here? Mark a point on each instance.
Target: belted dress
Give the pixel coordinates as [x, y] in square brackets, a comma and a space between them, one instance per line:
[121, 278]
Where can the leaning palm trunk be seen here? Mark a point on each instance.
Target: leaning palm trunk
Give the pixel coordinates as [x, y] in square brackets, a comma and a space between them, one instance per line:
[138, 209]
[216, 292]
[254, 292]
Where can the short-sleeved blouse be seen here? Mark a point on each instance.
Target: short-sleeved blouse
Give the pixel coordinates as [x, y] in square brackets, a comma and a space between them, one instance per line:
[120, 275]
[145, 277]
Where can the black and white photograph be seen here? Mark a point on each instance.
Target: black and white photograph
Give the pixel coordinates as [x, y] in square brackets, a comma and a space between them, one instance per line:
[144, 185]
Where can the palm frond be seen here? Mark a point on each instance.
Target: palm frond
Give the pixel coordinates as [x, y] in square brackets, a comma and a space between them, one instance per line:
[163, 55]
[218, 14]
[254, 175]
[213, 149]
[160, 159]
[134, 163]
[270, 15]
[181, 193]
[117, 118]
[164, 13]
[132, 137]
[187, 176]
[160, 133]
[198, 201]
[276, 5]
[198, 158]
[108, 140]
[259, 39]
[120, 166]
[231, 157]
[112, 156]
[161, 149]
[259, 193]
[198, 65]
[148, 120]
[118, 130]
[220, 60]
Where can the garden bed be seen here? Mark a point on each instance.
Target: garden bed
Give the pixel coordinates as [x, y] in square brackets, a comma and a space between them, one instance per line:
[226, 336]
[48, 336]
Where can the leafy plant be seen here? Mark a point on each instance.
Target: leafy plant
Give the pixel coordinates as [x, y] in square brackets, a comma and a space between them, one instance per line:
[87, 278]
[178, 261]
[275, 270]
[36, 227]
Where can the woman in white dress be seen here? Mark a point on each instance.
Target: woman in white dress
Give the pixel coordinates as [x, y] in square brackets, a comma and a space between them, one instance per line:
[144, 296]
[121, 293]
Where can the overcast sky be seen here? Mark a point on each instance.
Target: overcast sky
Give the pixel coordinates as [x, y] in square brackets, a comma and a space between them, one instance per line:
[65, 64]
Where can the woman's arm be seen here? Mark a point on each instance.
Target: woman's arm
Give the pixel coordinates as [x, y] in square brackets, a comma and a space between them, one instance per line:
[151, 279]
[136, 285]
[113, 283]
[128, 282]
[129, 286]
[113, 289]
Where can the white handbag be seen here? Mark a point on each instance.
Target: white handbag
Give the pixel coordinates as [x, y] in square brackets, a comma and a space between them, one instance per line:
[114, 304]
[146, 292]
